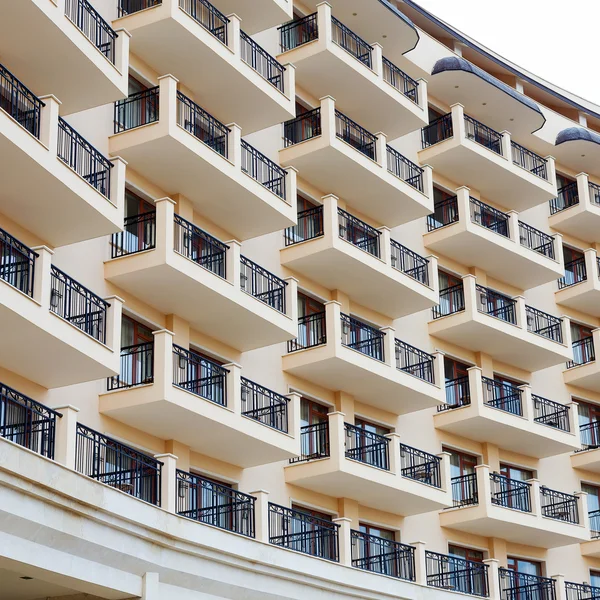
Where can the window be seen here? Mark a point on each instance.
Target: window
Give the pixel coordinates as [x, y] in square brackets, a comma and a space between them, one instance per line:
[583, 348]
[595, 578]
[139, 232]
[434, 113]
[364, 444]
[593, 492]
[516, 473]
[444, 212]
[574, 267]
[310, 537]
[314, 440]
[462, 474]
[386, 534]
[311, 322]
[589, 417]
[138, 112]
[466, 553]
[457, 392]
[136, 359]
[527, 567]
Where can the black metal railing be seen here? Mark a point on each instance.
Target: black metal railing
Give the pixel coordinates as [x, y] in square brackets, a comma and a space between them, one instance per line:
[457, 574]
[351, 43]
[138, 235]
[128, 7]
[262, 284]
[78, 154]
[444, 213]
[359, 233]
[199, 246]
[141, 108]
[420, 466]
[489, 217]
[502, 396]
[536, 240]
[303, 532]
[264, 405]
[482, 134]
[208, 16]
[568, 196]
[380, 555]
[543, 324]
[27, 422]
[20, 102]
[594, 517]
[367, 447]
[581, 591]
[17, 263]
[415, 362]
[309, 226]
[458, 393]
[302, 128]
[215, 504]
[136, 367]
[257, 58]
[118, 465]
[559, 506]
[362, 337]
[575, 272]
[263, 170]
[409, 262]
[311, 332]
[355, 135]
[404, 169]
[583, 352]
[530, 161]
[464, 490]
[550, 413]
[510, 493]
[82, 14]
[400, 80]
[594, 190]
[199, 375]
[496, 304]
[314, 442]
[522, 586]
[438, 130]
[77, 305]
[298, 32]
[589, 434]
[452, 300]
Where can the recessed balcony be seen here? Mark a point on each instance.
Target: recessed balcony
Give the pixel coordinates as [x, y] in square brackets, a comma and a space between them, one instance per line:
[467, 151]
[55, 183]
[584, 371]
[588, 458]
[174, 393]
[180, 269]
[473, 233]
[336, 154]
[521, 512]
[339, 251]
[258, 15]
[65, 48]
[331, 59]
[579, 287]
[485, 410]
[483, 320]
[578, 148]
[341, 353]
[343, 461]
[227, 180]
[216, 60]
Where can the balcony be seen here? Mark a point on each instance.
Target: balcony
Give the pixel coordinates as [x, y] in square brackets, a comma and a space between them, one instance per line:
[339, 352]
[467, 151]
[591, 549]
[521, 512]
[576, 209]
[180, 269]
[584, 371]
[174, 393]
[338, 251]
[343, 461]
[56, 46]
[578, 148]
[336, 154]
[260, 15]
[528, 587]
[484, 410]
[454, 574]
[483, 320]
[217, 61]
[55, 184]
[579, 287]
[476, 234]
[331, 59]
[588, 458]
[228, 181]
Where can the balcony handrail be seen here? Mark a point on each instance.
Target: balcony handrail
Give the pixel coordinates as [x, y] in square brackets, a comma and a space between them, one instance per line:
[489, 217]
[264, 405]
[510, 493]
[128, 7]
[575, 272]
[380, 555]
[19, 102]
[78, 154]
[409, 262]
[298, 32]
[141, 108]
[581, 591]
[362, 337]
[138, 235]
[502, 396]
[559, 505]
[452, 300]
[358, 233]
[308, 227]
[214, 504]
[567, 196]
[583, 352]
[311, 332]
[414, 361]
[457, 574]
[257, 58]
[262, 169]
[262, 284]
[550, 413]
[303, 532]
[208, 16]
[355, 135]
[303, 127]
[89, 21]
[544, 324]
[420, 466]
[536, 240]
[18, 263]
[483, 135]
[351, 42]
[594, 190]
[120, 466]
[366, 447]
[314, 442]
[464, 490]
[528, 160]
[136, 367]
[594, 517]
[437, 131]
[400, 80]
[444, 213]
[458, 393]
[404, 169]
[525, 586]
[496, 305]
[590, 435]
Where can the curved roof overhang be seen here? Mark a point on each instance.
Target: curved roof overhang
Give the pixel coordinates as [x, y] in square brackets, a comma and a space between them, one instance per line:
[579, 149]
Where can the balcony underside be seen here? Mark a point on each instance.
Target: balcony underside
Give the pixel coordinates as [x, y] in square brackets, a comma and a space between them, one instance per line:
[50, 55]
[577, 221]
[587, 460]
[584, 297]
[369, 486]
[344, 171]
[500, 257]
[180, 163]
[590, 549]
[357, 273]
[47, 198]
[209, 303]
[584, 376]
[502, 341]
[258, 15]
[579, 155]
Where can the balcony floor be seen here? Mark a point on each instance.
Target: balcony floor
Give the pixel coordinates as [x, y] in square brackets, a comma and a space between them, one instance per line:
[583, 297]
[585, 376]
[578, 222]
[587, 460]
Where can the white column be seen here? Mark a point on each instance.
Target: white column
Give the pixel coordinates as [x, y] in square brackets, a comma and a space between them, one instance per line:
[261, 515]
[377, 59]
[233, 387]
[163, 361]
[114, 317]
[558, 249]
[150, 587]
[493, 577]
[165, 231]
[49, 123]
[232, 263]
[583, 190]
[506, 144]
[463, 204]
[574, 419]
[484, 488]
[385, 247]
[42, 278]
[234, 43]
[324, 23]
[536, 501]
[294, 414]
[328, 119]
[66, 435]
[475, 385]
[116, 192]
[234, 145]
[333, 323]
[381, 150]
[428, 182]
[291, 298]
[168, 482]
[591, 265]
[389, 346]
[167, 101]
[559, 586]
[582, 505]
[337, 437]
[445, 473]
[470, 293]
[331, 227]
[434, 281]
[291, 187]
[551, 171]
[422, 93]
[513, 227]
[565, 327]
[458, 121]
[394, 448]
[122, 51]
[420, 563]
[521, 312]
[344, 540]
[526, 402]
[439, 374]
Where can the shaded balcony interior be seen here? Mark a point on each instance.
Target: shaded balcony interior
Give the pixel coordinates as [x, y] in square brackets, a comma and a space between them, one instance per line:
[583, 370]
[579, 149]
[579, 287]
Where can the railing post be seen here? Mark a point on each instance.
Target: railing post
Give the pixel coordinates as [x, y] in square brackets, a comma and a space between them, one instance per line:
[331, 228]
[289, 80]
[526, 402]
[116, 193]
[333, 324]
[122, 51]
[49, 123]
[114, 315]
[595, 342]
[591, 269]
[484, 486]
[294, 403]
[536, 500]
[458, 121]
[513, 227]
[42, 278]
[233, 267]
[337, 437]
[470, 293]
[445, 474]
[565, 326]
[291, 298]
[233, 388]
[521, 312]
[428, 182]
[344, 541]
[163, 361]
[493, 565]
[234, 27]
[167, 101]
[583, 190]
[394, 451]
[422, 92]
[168, 482]
[582, 506]
[558, 249]
[506, 145]
[65, 445]
[574, 419]
[377, 59]
[150, 586]
[164, 227]
[439, 377]
[261, 515]
[475, 385]
[328, 119]
[234, 145]
[389, 346]
[381, 150]
[551, 171]
[420, 563]
[291, 187]
[559, 586]
[324, 25]
[434, 280]
[385, 246]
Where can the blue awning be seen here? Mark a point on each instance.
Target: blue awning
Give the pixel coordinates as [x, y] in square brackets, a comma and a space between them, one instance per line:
[577, 134]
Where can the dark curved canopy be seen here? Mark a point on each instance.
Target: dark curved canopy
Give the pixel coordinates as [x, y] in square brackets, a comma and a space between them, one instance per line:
[577, 134]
